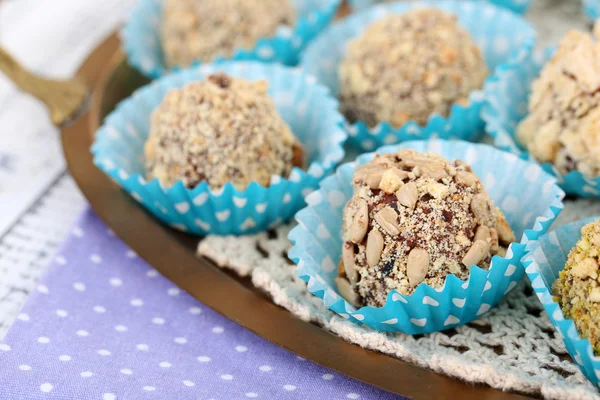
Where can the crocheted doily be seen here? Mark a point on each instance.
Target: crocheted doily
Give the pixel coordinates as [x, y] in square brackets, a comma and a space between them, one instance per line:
[513, 347]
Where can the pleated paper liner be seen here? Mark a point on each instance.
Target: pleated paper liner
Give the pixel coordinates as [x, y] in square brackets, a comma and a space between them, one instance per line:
[544, 259]
[591, 8]
[503, 37]
[529, 198]
[304, 104]
[507, 97]
[142, 43]
[518, 6]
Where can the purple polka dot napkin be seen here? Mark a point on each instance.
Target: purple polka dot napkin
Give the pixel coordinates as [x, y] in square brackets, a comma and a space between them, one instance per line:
[103, 324]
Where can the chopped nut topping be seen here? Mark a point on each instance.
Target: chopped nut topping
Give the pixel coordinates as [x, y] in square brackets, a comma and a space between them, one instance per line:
[347, 292]
[202, 30]
[434, 171]
[438, 61]
[494, 235]
[596, 238]
[401, 174]
[466, 178]
[374, 247]
[421, 233]
[505, 234]
[587, 268]
[407, 195]
[390, 181]
[483, 233]
[476, 253]
[480, 207]
[462, 239]
[564, 108]
[370, 174]
[388, 220]
[577, 288]
[219, 130]
[348, 261]
[437, 190]
[417, 266]
[359, 220]
[595, 295]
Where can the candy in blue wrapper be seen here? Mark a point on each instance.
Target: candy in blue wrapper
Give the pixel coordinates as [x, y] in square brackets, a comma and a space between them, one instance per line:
[507, 98]
[511, 183]
[502, 36]
[518, 6]
[304, 104]
[142, 42]
[543, 260]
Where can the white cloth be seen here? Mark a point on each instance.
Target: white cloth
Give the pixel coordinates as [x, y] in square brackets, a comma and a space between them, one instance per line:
[53, 38]
[49, 37]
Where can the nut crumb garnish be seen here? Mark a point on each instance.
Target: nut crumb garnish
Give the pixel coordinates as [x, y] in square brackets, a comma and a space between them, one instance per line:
[563, 125]
[407, 67]
[204, 29]
[432, 225]
[577, 289]
[222, 129]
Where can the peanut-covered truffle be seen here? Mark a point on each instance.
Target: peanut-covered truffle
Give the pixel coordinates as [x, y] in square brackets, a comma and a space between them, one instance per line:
[415, 217]
[577, 289]
[563, 125]
[409, 66]
[222, 129]
[205, 29]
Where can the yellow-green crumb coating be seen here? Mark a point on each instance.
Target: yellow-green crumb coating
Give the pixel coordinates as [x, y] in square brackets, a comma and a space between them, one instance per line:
[577, 289]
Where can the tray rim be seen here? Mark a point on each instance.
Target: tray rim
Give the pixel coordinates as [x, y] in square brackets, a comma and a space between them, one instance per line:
[256, 313]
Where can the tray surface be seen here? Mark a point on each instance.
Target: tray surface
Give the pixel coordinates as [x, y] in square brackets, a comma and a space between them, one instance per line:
[173, 255]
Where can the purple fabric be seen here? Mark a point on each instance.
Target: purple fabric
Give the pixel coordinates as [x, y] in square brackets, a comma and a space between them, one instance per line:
[105, 325]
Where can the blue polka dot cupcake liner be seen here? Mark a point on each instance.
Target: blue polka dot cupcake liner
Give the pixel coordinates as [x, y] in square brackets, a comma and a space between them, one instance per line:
[510, 181]
[503, 37]
[518, 6]
[543, 260]
[304, 104]
[506, 105]
[141, 39]
[591, 8]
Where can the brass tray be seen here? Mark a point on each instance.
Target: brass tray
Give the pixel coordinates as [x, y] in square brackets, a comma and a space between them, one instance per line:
[173, 254]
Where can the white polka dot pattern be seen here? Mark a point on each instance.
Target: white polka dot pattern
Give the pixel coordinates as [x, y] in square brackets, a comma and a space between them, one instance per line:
[101, 344]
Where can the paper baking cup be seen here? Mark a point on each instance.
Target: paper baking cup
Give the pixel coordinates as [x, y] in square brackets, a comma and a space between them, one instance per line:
[304, 104]
[591, 8]
[528, 196]
[507, 98]
[518, 6]
[141, 39]
[543, 260]
[503, 37]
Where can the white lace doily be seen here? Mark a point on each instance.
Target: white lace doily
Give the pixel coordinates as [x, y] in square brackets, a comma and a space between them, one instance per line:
[512, 348]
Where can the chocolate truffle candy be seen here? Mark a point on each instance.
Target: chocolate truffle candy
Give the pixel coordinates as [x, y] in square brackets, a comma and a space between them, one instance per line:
[416, 217]
[563, 124]
[407, 67]
[577, 289]
[222, 129]
[205, 29]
